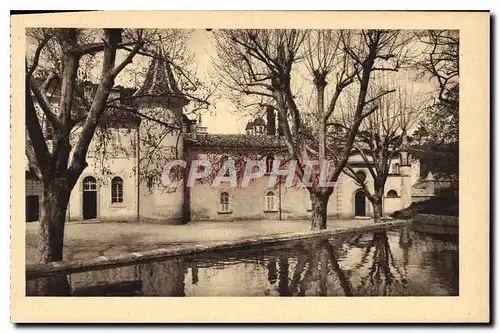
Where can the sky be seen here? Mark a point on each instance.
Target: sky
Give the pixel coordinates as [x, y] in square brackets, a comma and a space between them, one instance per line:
[224, 120]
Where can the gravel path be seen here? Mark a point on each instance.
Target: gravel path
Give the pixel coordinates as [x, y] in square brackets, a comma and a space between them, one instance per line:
[85, 241]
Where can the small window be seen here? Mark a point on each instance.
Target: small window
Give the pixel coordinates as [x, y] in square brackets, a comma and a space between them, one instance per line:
[392, 194]
[361, 175]
[224, 202]
[116, 190]
[270, 203]
[89, 184]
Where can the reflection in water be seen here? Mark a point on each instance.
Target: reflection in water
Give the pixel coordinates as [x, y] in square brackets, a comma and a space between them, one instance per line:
[194, 273]
[162, 278]
[394, 263]
[283, 286]
[272, 274]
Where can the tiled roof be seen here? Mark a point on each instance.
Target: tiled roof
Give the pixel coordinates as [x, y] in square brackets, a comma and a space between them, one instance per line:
[119, 117]
[236, 141]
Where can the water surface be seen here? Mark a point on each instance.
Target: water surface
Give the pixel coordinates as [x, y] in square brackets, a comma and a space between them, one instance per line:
[399, 262]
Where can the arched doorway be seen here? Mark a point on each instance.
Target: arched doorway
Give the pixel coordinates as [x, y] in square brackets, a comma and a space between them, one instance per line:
[360, 204]
[89, 198]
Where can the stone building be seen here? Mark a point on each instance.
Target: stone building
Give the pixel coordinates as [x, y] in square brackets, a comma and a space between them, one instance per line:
[118, 190]
[258, 201]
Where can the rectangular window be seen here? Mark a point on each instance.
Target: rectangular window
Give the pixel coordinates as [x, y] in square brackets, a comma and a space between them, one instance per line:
[224, 207]
[117, 190]
[224, 202]
[270, 205]
[117, 197]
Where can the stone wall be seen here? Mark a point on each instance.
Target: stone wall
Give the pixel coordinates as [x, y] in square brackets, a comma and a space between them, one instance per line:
[249, 203]
[106, 210]
[34, 187]
[436, 224]
[433, 219]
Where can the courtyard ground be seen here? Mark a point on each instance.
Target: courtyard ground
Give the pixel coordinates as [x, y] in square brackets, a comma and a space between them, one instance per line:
[85, 241]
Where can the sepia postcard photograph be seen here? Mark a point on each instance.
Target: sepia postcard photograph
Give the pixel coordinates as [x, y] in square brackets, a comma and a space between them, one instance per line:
[257, 166]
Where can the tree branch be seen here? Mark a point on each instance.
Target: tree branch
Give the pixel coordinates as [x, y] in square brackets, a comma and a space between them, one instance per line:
[36, 57]
[35, 133]
[379, 96]
[32, 160]
[44, 104]
[127, 60]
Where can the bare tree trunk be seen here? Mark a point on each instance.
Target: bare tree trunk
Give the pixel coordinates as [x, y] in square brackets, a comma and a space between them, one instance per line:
[55, 204]
[377, 203]
[344, 280]
[51, 238]
[319, 211]
[323, 271]
[378, 211]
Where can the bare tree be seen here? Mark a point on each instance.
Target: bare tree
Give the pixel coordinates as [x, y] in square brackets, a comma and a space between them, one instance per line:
[440, 64]
[274, 63]
[381, 137]
[438, 132]
[69, 57]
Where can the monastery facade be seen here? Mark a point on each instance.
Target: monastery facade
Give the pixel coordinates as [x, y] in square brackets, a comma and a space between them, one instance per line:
[121, 194]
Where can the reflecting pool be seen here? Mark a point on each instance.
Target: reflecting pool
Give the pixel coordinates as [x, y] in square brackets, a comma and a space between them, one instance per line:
[398, 262]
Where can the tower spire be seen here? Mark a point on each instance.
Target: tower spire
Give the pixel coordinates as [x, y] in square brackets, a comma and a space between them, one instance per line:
[160, 88]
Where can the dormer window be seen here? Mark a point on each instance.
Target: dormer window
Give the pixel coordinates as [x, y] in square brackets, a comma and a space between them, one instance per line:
[249, 128]
[259, 125]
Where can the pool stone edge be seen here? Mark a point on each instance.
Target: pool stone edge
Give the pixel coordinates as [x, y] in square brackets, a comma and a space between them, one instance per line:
[35, 271]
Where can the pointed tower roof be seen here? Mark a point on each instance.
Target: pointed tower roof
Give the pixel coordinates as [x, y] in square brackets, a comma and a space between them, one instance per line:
[430, 177]
[160, 86]
[259, 122]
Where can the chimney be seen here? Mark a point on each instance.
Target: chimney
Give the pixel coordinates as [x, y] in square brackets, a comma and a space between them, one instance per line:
[271, 121]
[193, 129]
[429, 183]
